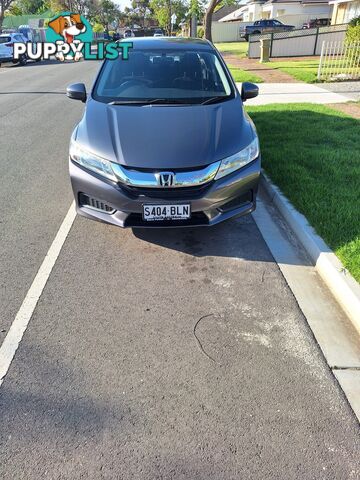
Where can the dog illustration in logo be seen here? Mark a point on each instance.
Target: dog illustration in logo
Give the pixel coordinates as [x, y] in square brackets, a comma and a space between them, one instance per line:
[69, 27]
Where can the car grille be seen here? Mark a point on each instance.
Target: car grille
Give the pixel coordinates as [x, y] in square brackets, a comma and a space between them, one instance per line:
[94, 203]
[167, 193]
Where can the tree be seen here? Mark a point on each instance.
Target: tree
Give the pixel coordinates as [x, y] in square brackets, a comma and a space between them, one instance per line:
[163, 9]
[141, 8]
[213, 4]
[4, 5]
[107, 13]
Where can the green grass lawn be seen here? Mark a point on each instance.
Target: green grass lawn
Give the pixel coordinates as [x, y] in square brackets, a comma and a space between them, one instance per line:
[240, 75]
[304, 70]
[235, 48]
[312, 154]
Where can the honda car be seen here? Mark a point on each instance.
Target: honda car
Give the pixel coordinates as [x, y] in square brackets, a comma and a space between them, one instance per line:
[164, 140]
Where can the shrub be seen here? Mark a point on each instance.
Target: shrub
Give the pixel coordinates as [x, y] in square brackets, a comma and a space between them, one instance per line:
[97, 28]
[355, 22]
[353, 31]
[200, 32]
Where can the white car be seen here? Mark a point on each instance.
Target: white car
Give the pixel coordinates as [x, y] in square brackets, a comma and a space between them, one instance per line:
[7, 41]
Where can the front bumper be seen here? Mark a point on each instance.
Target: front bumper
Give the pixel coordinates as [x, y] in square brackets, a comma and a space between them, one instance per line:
[7, 59]
[230, 196]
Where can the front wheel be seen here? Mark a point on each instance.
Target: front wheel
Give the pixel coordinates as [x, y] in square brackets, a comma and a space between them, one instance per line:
[22, 60]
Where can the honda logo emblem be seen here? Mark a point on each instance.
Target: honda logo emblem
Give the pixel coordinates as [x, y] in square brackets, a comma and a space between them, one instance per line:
[165, 179]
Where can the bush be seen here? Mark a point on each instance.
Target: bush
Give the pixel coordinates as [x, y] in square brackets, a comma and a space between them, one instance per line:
[355, 22]
[200, 32]
[97, 28]
[353, 31]
[353, 34]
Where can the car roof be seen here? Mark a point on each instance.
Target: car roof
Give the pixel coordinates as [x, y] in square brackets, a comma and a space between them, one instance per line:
[175, 43]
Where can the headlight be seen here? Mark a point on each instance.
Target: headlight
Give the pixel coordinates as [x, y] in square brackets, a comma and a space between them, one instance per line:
[238, 160]
[91, 162]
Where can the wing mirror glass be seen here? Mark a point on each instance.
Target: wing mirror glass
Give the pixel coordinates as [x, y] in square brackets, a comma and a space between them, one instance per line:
[76, 91]
[249, 90]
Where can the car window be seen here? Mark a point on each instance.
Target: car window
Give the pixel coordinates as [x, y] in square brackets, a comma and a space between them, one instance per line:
[257, 22]
[19, 38]
[276, 22]
[5, 39]
[185, 75]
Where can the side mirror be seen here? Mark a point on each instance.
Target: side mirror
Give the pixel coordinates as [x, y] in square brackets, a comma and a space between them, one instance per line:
[76, 91]
[249, 90]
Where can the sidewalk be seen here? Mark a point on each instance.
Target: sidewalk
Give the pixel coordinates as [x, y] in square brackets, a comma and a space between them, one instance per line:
[295, 93]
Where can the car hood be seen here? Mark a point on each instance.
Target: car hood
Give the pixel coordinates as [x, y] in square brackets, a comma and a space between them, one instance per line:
[164, 137]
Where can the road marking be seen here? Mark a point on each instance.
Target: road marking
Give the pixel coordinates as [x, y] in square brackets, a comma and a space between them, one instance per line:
[23, 316]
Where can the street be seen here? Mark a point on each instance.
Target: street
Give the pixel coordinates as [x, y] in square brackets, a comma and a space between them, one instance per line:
[151, 354]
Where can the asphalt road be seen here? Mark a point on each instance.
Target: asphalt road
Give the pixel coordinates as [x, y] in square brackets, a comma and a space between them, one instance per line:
[176, 354]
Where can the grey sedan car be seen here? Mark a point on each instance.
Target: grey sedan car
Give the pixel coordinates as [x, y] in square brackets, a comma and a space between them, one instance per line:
[164, 140]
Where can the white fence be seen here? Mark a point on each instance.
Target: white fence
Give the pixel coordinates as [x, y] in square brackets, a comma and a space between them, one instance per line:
[297, 43]
[227, 31]
[339, 61]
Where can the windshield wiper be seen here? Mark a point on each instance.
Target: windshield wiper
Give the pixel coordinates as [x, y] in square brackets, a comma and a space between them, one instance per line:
[219, 98]
[150, 101]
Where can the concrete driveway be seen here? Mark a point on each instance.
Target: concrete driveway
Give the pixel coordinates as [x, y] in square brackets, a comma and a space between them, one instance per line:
[177, 354]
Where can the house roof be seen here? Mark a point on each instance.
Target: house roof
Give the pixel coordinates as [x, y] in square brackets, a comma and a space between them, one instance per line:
[14, 21]
[234, 15]
[225, 10]
[303, 2]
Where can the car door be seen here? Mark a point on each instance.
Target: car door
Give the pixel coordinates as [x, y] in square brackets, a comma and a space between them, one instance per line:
[267, 26]
[5, 49]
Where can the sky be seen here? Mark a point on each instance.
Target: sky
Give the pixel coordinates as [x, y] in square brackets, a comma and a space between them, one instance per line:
[123, 3]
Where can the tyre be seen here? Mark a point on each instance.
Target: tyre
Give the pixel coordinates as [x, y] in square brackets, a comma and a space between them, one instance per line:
[22, 60]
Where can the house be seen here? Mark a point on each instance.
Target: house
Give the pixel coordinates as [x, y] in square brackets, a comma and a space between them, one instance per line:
[249, 11]
[293, 12]
[344, 11]
[223, 11]
[296, 12]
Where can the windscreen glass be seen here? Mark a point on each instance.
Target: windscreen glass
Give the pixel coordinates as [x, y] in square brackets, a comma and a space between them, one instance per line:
[180, 75]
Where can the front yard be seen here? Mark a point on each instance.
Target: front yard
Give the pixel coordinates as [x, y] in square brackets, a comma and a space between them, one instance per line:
[304, 69]
[312, 154]
[234, 48]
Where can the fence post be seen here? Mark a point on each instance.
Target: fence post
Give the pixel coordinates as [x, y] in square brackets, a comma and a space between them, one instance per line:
[321, 61]
[271, 44]
[316, 40]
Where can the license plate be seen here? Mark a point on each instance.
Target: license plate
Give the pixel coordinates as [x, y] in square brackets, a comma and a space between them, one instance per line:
[153, 213]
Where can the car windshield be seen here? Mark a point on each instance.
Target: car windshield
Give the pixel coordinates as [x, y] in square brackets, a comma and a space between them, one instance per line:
[163, 76]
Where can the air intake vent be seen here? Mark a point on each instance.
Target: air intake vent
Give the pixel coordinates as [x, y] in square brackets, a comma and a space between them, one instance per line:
[94, 203]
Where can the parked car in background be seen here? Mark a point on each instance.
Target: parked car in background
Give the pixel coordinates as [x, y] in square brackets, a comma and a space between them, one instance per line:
[129, 33]
[264, 26]
[144, 153]
[7, 41]
[317, 22]
[158, 33]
